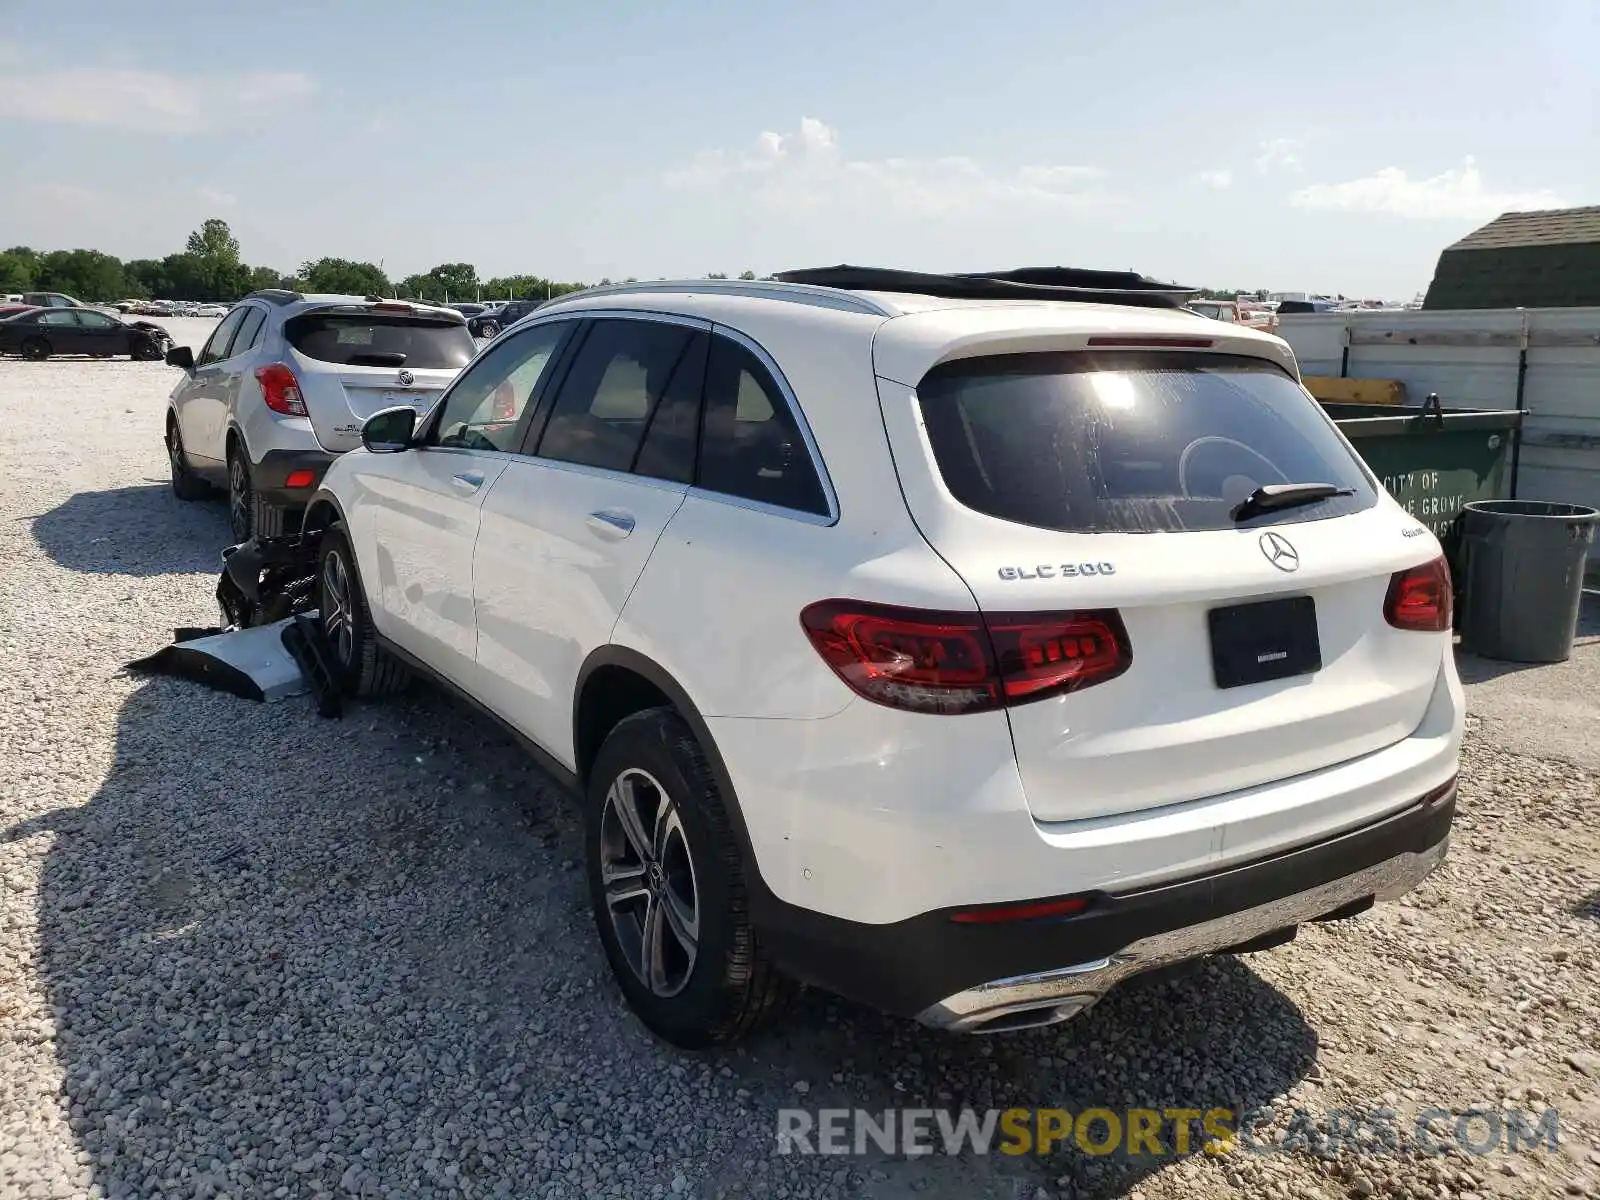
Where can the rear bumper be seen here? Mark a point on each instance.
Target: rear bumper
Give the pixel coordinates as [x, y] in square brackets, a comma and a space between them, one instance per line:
[977, 977]
[270, 477]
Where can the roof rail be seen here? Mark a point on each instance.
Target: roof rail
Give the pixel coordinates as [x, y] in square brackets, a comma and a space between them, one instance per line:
[764, 289]
[276, 295]
[1025, 283]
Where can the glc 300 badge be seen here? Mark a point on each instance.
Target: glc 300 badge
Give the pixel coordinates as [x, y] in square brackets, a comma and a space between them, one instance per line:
[1058, 570]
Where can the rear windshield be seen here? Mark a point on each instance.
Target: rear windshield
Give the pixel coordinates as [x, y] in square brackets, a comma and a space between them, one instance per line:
[1131, 441]
[381, 341]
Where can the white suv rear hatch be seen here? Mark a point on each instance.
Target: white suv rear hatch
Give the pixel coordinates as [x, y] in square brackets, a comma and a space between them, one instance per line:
[1106, 482]
[353, 361]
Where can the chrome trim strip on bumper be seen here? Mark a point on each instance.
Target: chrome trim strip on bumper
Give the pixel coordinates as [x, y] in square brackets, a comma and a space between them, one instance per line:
[1047, 997]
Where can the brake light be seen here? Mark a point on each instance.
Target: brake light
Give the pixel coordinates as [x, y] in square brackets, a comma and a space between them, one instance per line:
[1420, 598]
[1152, 343]
[394, 306]
[281, 390]
[300, 479]
[950, 663]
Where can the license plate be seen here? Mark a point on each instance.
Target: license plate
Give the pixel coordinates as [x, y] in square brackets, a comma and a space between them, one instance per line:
[1270, 639]
[417, 400]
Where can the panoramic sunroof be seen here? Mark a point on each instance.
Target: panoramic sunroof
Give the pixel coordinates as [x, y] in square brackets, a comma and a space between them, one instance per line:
[1030, 283]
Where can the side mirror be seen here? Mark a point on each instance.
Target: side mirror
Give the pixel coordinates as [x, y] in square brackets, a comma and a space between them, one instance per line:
[390, 431]
[180, 356]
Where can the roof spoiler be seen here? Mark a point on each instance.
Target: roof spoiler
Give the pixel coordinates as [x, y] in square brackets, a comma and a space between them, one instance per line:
[1024, 283]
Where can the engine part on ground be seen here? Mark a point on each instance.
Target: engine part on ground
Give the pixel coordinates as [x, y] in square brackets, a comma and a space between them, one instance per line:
[266, 580]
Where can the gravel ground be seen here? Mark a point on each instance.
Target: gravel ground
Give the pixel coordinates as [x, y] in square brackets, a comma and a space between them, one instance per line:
[248, 952]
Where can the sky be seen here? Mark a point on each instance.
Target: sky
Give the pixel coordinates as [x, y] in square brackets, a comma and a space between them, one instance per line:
[1334, 146]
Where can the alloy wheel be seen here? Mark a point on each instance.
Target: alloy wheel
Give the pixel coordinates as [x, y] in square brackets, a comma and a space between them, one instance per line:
[338, 623]
[239, 500]
[647, 872]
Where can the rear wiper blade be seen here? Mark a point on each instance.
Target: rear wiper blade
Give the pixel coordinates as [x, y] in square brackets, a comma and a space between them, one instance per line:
[1272, 497]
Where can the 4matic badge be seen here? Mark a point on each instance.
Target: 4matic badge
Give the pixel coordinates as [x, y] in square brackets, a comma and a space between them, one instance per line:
[1058, 570]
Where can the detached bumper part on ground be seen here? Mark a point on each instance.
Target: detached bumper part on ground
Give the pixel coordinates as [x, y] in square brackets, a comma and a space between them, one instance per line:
[253, 664]
[270, 647]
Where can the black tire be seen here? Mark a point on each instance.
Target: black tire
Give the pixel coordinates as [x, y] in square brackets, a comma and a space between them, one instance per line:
[186, 485]
[360, 666]
[241, 495]
[35, 349]
[724, 987]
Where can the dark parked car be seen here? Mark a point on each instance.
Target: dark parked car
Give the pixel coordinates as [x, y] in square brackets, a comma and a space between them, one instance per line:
[40, 332]
[1291, 308]
[51, 300]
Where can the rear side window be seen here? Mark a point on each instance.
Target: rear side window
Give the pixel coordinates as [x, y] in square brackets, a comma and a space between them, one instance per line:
[249, 331]
[617, 378]
[375, 340]
[669, 440]
[1131, 442]
[216, 348]
[750, 443]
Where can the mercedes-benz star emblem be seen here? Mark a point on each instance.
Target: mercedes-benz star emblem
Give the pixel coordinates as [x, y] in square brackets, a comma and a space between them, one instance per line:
[407, 378]
[1279, 552]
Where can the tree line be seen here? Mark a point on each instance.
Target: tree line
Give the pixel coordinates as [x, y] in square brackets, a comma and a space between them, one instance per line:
[210, 268]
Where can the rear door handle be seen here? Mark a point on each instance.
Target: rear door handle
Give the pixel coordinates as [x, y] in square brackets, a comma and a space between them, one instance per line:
[467, 483]
[611, 522]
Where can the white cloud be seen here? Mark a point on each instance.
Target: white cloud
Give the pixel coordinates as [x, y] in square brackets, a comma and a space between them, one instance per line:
[1281, 154]
[1221, 178]
[216, 196]
[808, 169]
[148, 101]
[1456, 194]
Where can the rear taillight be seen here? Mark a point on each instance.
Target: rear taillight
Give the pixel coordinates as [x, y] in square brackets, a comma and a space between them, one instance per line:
[281, 390]
[1420, 598]
[947, 662]
[1044, 654]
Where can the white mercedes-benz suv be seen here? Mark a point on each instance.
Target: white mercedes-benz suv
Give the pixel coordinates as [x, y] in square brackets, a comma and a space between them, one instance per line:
[959, 644]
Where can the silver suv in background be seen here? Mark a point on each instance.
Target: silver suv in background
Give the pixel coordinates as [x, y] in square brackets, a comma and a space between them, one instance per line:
[283, 386]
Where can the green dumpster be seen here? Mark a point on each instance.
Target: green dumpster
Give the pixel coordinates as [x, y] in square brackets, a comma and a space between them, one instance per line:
[1435, 460]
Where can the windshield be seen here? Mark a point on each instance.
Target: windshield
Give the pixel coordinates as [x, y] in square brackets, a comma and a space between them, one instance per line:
[1131, 441]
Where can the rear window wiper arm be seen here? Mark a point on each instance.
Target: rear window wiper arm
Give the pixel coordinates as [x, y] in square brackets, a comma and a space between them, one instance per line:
[1273, 497]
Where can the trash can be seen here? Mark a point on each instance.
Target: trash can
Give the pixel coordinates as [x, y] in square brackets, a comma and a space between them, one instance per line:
[1436, 460]
[1522, 578]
